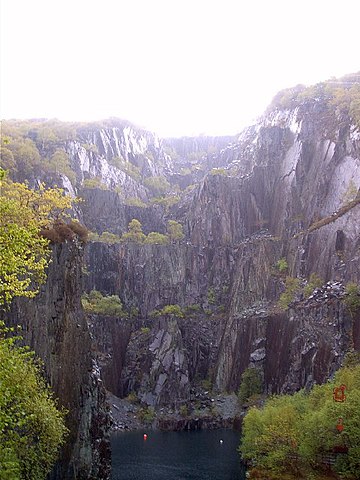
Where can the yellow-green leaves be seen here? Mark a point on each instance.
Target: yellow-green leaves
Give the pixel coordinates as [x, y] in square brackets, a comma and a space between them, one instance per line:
[24, 254]
[31, 426]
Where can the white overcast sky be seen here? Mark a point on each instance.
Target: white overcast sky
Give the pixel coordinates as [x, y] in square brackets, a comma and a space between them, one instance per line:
[178, 67]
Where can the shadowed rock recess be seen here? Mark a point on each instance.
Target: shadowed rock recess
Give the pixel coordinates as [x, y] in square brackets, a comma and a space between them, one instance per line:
[285, 188]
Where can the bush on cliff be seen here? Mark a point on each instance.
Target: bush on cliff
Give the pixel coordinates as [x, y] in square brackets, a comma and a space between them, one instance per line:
[31, 426]
[110, 305]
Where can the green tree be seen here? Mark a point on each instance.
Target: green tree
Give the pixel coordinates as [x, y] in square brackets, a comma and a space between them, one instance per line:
[292, 287]
[175, 231]
[60, 163]
[31, 426]
[251, 384]
[158, 185]
[291, 432]
[24, 254]
[95, 302]
[352, 299]
[156, 238]
[134, 233]
[282, 265]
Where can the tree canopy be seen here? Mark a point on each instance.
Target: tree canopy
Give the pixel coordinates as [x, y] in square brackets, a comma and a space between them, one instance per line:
[31, 426]
[293, 433]
[24, 254]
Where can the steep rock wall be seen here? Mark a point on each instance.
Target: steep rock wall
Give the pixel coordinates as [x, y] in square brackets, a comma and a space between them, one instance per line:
[54, 326]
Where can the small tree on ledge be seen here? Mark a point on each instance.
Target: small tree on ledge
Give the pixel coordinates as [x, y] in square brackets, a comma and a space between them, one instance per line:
[175, 231]
[134, 233]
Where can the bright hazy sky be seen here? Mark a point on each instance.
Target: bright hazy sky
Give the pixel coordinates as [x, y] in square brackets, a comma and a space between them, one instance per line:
[178, 67]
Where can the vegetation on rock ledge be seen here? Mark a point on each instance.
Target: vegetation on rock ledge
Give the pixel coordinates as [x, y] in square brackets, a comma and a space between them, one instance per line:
[295, 433]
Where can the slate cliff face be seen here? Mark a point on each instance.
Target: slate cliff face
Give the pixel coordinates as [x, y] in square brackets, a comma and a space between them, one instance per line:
[289, 190]
[55, 327]
[287, 187]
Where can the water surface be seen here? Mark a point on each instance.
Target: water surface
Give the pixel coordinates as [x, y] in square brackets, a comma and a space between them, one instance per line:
[195, 455]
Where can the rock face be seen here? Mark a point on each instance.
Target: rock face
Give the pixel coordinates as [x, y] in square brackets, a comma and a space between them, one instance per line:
[286, 188]
[287, 191]
[54, 326]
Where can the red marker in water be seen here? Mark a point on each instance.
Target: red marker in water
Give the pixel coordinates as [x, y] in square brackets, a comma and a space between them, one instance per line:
[145, 436]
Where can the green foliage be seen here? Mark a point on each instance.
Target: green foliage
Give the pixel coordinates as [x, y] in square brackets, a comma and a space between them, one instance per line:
[158, 185]
[303, 427]
[60, 164]
[24, 254]
[144, 330]
[168, 310]
[292, 287]
[95, 302]
[166, 202]
[95, 182]
[211, 296]
[91, 147]
[135, 202]
[184, 411]
[282, 265]
[342, 95]
[132, 398]
[191, 309]
[172, 310]
[146, 415]
[175, 231]
[31, 427]
[110, 238]
[206, 384]
[352, 299]
[156, 238]
[251, 384]
[134, 233]
[129, 168]
[350, 193]
[314, 282]
[218, 171]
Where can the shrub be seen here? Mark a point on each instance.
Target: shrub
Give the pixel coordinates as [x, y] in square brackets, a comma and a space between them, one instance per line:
[134, 233]
[218, 171]
[166, 202]
[91, 147]
[146, 415]
[156, 238]
[352, 299]
[172, 310]
[292, 287]
[175, 231]
[95, 302]
[314, 282]
[158, 185]
[282, 265]
[94, 183]
[61, 231]
[135, 202]
[211, 296]
[168, 310]
[31, 427]
[303, 427]
[251, 384]
[184, 411]
[110, 238]
[81, 231]
[132, 398]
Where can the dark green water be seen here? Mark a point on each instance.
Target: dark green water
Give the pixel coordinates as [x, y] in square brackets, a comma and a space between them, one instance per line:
[177, 456]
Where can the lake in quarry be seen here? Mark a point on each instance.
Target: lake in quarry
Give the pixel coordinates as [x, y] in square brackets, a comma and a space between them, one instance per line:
[197, 455]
